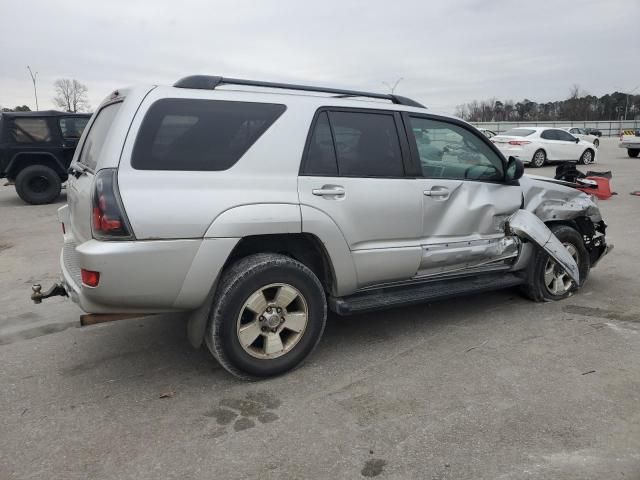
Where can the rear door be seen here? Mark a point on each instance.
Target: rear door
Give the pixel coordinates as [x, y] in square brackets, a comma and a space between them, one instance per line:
[552, 145]
[354, 172]
[465, 200]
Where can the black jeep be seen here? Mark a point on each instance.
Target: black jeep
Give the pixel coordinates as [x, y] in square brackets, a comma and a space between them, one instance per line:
[36, 149]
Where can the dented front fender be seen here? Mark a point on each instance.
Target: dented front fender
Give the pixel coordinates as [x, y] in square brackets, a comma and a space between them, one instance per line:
[528, 226]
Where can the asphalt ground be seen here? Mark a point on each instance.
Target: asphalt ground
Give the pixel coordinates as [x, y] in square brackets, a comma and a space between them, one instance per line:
[490, 386]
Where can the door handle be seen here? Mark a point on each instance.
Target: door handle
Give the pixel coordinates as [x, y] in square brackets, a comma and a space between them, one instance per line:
[328, 191]
[438, 192]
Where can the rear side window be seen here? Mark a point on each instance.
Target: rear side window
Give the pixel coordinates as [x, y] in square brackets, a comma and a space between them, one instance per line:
[200, 135]
[97, 135]
[354, 144]
[367, 144]
[72, 127]
[30, 130]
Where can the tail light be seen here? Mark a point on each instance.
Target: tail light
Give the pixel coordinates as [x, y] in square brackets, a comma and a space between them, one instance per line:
[519, 142]
[108, 220]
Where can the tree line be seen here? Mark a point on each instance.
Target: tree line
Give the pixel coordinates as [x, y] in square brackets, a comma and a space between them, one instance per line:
[578, 106]
[71, 96]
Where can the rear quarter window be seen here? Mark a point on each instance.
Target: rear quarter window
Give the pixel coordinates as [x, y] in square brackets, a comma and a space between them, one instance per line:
[30, 130]
[200, 135]
[98, 133]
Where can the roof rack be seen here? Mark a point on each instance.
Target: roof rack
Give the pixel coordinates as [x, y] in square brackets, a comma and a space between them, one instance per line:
[208, 82]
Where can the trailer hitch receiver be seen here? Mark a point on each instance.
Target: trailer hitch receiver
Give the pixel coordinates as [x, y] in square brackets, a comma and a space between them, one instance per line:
[56, 290]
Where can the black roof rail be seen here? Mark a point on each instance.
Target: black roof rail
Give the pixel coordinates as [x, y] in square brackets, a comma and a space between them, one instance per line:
[209, 82]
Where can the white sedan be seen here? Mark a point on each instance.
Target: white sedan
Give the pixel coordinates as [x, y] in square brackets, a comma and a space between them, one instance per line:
[538, 145]
[582, 134]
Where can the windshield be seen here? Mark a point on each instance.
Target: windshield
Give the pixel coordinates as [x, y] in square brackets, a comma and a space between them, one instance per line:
[518, 132]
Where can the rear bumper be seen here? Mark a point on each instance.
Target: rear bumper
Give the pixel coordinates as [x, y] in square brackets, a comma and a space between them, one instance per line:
[629, 145]
[143, 276]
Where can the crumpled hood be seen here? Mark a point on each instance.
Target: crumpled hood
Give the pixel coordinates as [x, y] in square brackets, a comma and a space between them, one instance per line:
[551, 199]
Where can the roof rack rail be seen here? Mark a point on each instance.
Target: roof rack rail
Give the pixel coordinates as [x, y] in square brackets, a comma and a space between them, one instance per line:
[209, 82]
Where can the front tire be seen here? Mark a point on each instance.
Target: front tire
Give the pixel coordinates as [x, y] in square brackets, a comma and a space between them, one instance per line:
[38, 184]
[545, 280]
[268, 316]
[633, 152]
[586, 158]
[539, 159]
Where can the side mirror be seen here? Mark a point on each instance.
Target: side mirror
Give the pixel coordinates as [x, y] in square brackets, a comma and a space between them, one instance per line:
[515, 169]
[577, 140]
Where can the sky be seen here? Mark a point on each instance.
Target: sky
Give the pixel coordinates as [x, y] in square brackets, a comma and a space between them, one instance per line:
[446, 52]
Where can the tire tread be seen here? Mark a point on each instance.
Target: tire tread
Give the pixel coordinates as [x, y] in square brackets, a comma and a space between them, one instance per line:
[232, 277]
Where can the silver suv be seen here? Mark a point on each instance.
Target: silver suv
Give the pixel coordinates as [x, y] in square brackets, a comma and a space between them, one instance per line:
[257, 206]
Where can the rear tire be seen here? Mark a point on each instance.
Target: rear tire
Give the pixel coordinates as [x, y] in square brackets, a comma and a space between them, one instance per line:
[244, 324]
[38, 184]
[633, 152]
[539, 276]
[539, 159]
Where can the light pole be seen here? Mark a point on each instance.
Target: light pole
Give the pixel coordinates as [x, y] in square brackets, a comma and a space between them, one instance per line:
[626, 105]
[393, 87]
[33, 79]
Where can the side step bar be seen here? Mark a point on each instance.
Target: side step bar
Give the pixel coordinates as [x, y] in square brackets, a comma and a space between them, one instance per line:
[391, 297]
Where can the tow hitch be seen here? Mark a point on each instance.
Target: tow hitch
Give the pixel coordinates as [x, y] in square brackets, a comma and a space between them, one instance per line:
[56, 290]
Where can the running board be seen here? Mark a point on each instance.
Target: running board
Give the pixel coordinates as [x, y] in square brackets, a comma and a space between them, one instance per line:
[391, 297]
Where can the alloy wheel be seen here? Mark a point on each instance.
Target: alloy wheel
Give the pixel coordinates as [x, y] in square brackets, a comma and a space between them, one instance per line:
[538, 158]
[272, 321]
[556, 280]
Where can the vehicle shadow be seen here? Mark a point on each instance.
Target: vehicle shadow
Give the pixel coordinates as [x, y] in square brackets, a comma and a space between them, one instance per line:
[154, 351]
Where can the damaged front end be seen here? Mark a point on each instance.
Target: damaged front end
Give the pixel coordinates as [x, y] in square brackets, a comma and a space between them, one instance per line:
[556, 202]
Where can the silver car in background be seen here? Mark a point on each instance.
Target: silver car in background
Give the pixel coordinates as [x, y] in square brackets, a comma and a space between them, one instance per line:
[582, 134]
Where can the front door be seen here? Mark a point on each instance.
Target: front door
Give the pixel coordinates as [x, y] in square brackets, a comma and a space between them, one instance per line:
[354, 172]
[568, 145]
[464, 197]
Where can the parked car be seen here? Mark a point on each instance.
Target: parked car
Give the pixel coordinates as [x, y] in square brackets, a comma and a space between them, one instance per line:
[536, 146]
[487, 133]
[630, 139]
[36, 149]
[593, 131]
[582, 134]
[257, 210]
